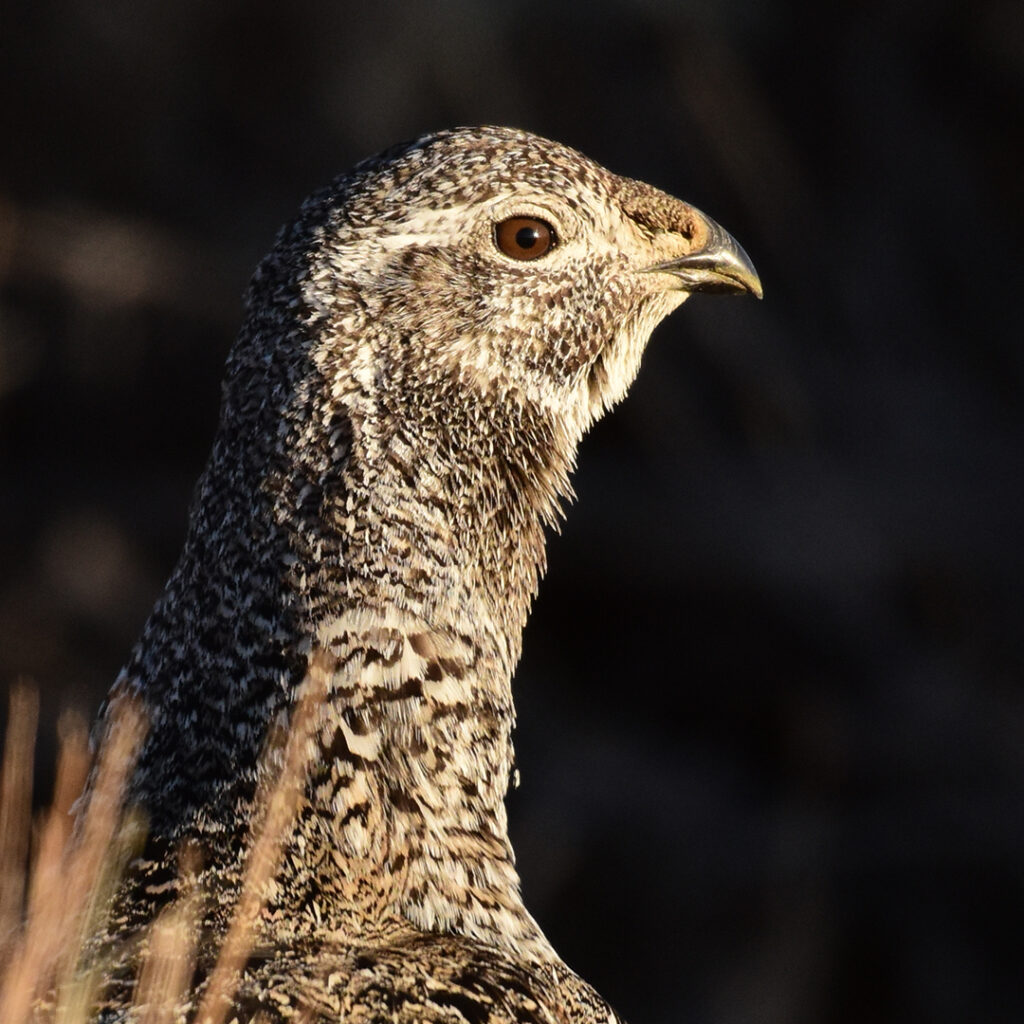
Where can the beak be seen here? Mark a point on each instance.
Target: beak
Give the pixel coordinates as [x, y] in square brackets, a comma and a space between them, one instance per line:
[720, 266]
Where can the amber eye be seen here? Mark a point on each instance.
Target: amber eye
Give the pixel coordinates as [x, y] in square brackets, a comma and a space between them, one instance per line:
[524, 238]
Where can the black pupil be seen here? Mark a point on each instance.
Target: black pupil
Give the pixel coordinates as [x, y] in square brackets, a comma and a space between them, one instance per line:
[527, 238]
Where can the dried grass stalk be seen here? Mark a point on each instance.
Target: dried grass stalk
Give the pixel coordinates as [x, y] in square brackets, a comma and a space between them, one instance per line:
[279, 802]
[16, 811]
[50, 973]
[170, 961]
[70, 876]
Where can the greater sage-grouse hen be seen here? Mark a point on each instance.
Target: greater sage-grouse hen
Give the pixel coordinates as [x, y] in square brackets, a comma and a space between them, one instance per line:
[424, 348]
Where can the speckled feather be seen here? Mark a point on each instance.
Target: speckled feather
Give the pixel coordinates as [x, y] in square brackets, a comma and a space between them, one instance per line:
[400, 416]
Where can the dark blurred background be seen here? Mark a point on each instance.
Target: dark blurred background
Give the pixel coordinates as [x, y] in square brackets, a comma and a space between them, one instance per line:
[771, 706]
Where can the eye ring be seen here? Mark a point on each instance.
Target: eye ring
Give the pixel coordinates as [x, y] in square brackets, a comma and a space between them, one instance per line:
[524, 238]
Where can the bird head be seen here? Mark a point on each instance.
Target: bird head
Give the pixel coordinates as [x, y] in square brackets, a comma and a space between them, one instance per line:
[505, 269]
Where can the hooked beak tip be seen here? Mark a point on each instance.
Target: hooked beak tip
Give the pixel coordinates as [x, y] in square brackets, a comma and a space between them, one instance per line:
[720, 267]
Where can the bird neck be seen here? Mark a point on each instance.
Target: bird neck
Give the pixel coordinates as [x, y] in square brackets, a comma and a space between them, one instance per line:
[409, 560]
[419, 571]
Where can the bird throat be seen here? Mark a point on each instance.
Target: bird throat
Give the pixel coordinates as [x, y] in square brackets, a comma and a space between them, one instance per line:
[442, 547]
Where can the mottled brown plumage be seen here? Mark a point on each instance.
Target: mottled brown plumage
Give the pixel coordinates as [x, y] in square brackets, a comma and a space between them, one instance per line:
[400, 416]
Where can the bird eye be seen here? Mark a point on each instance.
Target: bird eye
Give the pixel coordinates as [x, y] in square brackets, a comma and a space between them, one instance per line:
[524, 238]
